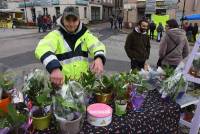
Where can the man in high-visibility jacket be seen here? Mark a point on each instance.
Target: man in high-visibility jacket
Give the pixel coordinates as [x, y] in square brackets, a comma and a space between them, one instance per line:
[65, 51]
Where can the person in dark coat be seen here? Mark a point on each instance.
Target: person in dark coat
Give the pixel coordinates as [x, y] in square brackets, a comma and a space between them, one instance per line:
[152, 28]
[195, 31]
[40, 23]
[120, 21]
[160, 30]
[111, 19]
[190, 29]
[137, 45]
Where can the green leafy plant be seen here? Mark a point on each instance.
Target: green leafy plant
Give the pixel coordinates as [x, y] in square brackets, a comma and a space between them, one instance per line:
[169, 71]
[6, 81]
[38, 88]
[105, 84]
[12, 119]
[87, 80]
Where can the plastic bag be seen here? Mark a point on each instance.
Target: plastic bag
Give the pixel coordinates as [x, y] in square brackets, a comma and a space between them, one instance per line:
[69, 101]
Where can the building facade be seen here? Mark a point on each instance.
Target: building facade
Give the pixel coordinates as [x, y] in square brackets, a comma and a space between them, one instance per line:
[135, 10]
[89, 10]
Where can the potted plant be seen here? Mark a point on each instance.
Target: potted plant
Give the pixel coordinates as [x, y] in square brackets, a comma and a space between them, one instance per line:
[6, 84]
[87, 80]
[37, 88]
[69, 107]
[174, 87]
[13, 122]
[120, 87]
[104, 87]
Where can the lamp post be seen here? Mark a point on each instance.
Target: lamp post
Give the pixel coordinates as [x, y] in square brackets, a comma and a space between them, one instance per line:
[26, 18]
[183, 14]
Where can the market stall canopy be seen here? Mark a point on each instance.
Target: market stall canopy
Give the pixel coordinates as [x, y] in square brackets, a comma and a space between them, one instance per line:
[192, 17]
[9, 11]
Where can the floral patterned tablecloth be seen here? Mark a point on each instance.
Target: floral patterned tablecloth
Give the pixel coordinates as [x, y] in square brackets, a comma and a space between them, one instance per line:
[156, 116]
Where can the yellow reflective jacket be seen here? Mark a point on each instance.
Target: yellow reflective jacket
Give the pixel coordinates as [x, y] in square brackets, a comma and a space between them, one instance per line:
[69, 52]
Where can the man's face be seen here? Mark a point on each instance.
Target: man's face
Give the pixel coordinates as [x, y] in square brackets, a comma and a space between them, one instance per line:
[71, 23]
[143, 26]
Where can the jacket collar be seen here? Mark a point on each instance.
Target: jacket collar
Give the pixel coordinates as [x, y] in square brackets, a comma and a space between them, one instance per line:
[138, 30]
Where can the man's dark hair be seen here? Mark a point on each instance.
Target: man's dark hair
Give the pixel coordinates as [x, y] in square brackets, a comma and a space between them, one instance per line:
[143, 20]
[172, 23]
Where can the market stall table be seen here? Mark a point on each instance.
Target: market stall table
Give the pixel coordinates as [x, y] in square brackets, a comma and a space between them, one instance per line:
[156, 116]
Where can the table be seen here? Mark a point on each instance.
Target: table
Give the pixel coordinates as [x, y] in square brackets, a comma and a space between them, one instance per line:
[156, 117]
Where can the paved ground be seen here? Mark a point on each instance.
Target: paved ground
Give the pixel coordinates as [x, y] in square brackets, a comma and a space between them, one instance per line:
[17, 48]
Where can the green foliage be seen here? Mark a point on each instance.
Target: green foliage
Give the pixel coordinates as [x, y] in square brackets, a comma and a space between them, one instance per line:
[38, 88]
[6, 81]
[169, 71]
[87, 80]
[12, 118]
[105, 84]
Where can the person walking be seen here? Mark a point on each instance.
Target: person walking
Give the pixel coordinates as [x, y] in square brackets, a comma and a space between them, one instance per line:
[40, 23]
[54, 21]
[174, 46]
[195, 31]
[120, 21]
[64, 52]
[137, 45]
[152, 28]
[115, 22]
[111, 19]
[160, 30]
[190, 29]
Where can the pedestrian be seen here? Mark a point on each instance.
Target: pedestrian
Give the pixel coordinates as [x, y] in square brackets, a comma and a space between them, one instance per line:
[137, 45]
[185, 27]
[174, 46]
[49, 22]
[40, 23]
[54, 20]
[152, 28]
[160, 30]
[190, 29]
[65, 51]
[111, 19]
[115, 22]
[195, 31]
[120, 21]
[14, 21]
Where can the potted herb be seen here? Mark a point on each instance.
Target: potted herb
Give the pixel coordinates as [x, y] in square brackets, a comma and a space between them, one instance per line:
[87, 80]
[69, 107]
[38, 88]
[120, 87]
[174, 87]
[13, 122]
[6, 84]
[104, 88]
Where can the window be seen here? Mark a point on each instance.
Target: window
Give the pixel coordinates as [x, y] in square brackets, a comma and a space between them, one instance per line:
[85, 12]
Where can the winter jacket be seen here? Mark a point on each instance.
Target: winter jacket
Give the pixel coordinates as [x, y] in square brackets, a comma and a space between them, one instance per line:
[181, 51]
[137, 45]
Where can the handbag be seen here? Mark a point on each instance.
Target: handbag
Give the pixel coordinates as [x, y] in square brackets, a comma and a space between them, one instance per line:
[159, 63]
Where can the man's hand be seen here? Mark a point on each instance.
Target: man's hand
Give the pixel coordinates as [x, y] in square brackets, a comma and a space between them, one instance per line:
[97, 66]
[57, 78]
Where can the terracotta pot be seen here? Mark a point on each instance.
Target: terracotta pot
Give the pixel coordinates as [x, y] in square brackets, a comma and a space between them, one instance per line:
[103, 98]
[4, 103]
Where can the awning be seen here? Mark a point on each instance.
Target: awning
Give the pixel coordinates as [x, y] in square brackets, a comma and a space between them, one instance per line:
[192, 17]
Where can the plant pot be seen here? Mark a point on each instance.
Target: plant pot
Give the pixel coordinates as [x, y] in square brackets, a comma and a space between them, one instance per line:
[69, 127]
[103, 98]
[4, 104]
[137, 101]
[41, 123]
[120, 107]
